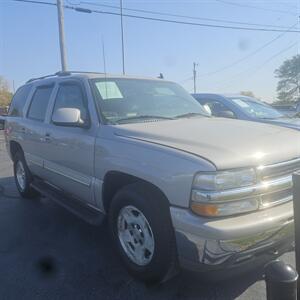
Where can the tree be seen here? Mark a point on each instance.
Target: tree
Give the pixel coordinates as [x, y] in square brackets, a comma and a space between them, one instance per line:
[288, 87]
[5, 94]
[247, 93]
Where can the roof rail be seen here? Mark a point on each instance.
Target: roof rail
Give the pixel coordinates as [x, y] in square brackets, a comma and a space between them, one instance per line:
[85, 72]
[42, 77]
[62, 73]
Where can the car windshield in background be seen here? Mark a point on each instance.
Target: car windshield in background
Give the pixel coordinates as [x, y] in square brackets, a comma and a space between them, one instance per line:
[137, 100]
[257, 109]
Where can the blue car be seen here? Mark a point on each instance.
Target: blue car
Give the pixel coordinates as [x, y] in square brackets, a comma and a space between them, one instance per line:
[244, 108]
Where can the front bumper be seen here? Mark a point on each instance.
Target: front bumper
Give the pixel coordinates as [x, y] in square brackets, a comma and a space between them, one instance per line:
[205, 244]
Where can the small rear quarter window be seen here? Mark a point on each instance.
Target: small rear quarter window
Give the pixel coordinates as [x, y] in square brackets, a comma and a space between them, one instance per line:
[18, 101]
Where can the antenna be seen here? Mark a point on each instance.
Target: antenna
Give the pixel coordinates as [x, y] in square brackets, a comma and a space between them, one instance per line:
[104, 63]
[103, 56]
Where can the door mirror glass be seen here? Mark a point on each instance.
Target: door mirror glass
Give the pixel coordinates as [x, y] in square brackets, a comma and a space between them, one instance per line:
[68, 117]
[207, 109]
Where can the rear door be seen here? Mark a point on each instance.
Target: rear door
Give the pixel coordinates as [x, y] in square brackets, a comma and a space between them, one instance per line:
[34, 127]
[69, 151]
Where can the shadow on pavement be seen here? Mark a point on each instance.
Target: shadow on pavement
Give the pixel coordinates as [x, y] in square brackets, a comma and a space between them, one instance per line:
[47, 253]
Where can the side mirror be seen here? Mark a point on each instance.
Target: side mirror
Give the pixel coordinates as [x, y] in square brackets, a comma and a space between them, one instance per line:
[68, 117]
[207, 109]
[226, 114]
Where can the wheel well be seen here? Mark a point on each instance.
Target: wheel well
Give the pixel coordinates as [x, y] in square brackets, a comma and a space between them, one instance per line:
[14, 148]
[114, 181]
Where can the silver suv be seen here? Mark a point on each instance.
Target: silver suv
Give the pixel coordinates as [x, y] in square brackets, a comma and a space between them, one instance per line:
[178, 188]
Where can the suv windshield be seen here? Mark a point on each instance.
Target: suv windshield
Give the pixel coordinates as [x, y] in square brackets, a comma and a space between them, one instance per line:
[137, 100]
[256, 108]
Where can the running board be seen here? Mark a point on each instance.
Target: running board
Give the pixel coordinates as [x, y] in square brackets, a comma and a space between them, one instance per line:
[85, 212]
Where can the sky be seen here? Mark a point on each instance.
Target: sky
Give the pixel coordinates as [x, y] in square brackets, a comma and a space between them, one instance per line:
[227, 60]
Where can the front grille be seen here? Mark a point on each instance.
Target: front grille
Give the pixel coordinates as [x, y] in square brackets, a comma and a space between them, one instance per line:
[278, 170]
[270, 174]
[276, 198]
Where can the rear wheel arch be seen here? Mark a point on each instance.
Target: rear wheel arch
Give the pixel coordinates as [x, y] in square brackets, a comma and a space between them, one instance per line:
[15, 147]
[115, 180]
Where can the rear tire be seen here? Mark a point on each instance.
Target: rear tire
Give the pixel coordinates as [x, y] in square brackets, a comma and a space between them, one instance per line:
[23, 177]
[142, 232]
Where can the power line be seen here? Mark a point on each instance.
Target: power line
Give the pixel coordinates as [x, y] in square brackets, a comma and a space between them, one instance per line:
[36, 2]
[234, 63]
[247, 56]
[274, 56]
[165, 20]
[177, 15]
[255, 7]
[186, 79]
[191, 23]
[251, 73]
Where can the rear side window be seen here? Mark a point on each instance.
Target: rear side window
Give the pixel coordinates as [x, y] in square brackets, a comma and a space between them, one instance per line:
[18, 101]
[39, 103]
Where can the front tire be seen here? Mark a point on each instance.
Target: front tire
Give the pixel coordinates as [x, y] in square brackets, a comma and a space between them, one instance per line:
[23, 177]
[141, 228]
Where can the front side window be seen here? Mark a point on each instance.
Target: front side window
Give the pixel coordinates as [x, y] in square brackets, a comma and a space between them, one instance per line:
[18, 101]
[137, 100]
[71, 96]
[39, 103]
[256, 108]
[216, 107]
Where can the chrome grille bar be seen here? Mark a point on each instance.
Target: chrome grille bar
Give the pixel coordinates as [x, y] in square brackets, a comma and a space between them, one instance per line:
[278, 170]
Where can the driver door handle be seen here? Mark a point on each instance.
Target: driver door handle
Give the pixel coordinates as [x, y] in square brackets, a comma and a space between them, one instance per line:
[47, 138]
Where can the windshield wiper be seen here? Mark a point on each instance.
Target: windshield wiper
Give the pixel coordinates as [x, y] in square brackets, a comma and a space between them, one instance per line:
[143, 117]
[188, 115]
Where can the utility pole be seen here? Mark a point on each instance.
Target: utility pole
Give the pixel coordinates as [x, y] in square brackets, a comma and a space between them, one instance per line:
[194, 76]
[60, 13]
[122, 36]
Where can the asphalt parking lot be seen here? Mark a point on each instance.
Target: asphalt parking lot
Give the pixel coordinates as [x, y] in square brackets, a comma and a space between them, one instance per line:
[47, 253]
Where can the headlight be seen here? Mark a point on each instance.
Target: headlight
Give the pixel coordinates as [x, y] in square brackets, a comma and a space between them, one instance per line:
[223, 180]
[223, 193]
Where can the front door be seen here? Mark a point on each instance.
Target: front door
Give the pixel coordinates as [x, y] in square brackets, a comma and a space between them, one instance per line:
[69, 151]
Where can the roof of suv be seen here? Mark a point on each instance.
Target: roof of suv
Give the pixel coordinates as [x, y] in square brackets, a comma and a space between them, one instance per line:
[89, 75]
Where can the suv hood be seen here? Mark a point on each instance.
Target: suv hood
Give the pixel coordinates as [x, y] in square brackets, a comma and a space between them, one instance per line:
[224, 142]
